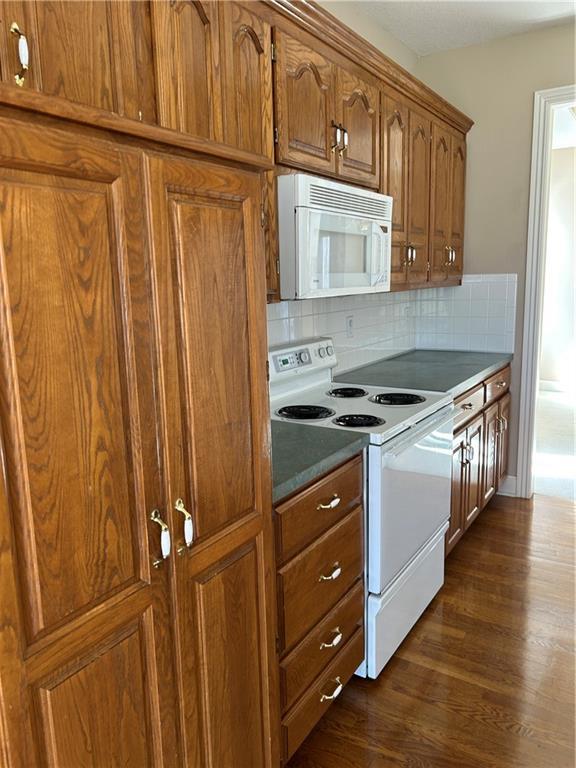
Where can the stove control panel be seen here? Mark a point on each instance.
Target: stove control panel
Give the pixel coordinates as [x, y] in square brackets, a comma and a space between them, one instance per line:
[309, 356]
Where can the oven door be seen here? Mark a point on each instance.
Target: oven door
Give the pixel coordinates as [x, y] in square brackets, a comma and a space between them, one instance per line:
[338, 254]
[409, 485]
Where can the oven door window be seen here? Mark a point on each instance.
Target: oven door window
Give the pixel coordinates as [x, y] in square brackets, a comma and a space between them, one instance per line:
[341, 253]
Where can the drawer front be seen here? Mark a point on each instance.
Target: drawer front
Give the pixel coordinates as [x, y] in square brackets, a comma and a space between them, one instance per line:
[498, 385]
[303, 717]
[315, 580]
[301, 667]
[304, 517]
[468, 405]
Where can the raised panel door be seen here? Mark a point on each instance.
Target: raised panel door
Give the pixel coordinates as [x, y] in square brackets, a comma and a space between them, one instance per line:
[440, 204]
[210, 275]
[188, 66]
[246, 46]
[82, 475]
[304, 105]
[395, 156]
[475, 438]
[458, 499]
[418, 196]
[358, 110]
[93, 53]
[504, 405]
[491, 439]
[458, 190]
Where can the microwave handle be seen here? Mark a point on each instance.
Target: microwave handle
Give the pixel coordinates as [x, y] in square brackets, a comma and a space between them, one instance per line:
[378, 250]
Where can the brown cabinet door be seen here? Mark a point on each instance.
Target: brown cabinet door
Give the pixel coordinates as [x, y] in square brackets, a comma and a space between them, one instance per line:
[86, 643]
[395, 155]
[418, 196]
[210, 273]
[504, 405]
[93, 53]
[457, 186]
[475, 438]
[440, 204]
[304, 105]
[358, 110]
[459, 491]
[491, 430]
[187, 53]
[246, 47]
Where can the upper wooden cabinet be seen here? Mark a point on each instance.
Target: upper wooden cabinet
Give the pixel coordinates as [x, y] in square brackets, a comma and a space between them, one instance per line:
[93, 53]
[327, 117]
[406, 178]
[447, 204]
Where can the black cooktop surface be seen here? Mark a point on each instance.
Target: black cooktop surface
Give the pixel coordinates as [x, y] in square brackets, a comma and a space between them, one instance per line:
[347, 392]
[305, 412]
[358, 420]
[397, 398]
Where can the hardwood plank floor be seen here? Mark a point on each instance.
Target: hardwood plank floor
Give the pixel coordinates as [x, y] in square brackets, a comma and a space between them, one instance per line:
[486, 678]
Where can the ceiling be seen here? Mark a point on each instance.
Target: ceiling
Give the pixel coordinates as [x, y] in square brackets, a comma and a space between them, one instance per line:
[429, 26]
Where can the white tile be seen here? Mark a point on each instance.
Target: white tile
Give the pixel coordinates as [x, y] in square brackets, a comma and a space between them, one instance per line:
[301, 328]
[479, 291]
[497, 309]
[278, 332]
[478, 308]
[478, 342]
[498, 291]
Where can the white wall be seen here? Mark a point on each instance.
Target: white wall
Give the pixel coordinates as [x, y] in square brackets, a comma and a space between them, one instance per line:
[558, 344]
[350, 13]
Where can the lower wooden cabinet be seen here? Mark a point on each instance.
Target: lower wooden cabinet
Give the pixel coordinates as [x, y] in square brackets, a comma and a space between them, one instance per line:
[320, 598]
[480, 452]
[135, 527]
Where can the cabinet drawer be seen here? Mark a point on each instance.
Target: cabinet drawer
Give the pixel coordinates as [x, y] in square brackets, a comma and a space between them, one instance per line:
[303, 717]
[305, 516]
[468, 405]
[313, 581]
[321, 645]
[498, 385]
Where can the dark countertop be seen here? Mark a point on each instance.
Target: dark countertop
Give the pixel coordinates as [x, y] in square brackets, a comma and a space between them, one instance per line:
[436, 370]
[301, 453]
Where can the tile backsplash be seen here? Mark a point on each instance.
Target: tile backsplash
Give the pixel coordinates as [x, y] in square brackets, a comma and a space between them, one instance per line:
[478, 315]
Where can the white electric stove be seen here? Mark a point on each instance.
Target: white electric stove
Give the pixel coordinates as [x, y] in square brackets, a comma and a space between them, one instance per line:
[408, 472]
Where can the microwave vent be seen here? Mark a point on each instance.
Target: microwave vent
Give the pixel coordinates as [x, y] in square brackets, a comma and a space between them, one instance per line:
[376, 207]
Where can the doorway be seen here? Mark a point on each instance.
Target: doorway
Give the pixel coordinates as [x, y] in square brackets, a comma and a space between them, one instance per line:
[547, 462]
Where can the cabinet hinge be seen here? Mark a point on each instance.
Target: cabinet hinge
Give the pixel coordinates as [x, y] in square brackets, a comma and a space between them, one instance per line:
[273, 51]
[262, 216]
[275, 135]
[268, 379]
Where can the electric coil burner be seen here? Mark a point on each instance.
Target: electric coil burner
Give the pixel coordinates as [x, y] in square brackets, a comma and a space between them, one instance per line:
[305, 412]
[397, 398]
[358, 420]
[348, 392]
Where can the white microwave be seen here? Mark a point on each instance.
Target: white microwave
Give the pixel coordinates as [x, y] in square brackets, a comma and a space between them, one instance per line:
[334, 239]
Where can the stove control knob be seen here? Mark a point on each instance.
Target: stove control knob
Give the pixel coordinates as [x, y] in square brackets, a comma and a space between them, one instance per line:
[304, 357]
[330, 349]
[321, 351]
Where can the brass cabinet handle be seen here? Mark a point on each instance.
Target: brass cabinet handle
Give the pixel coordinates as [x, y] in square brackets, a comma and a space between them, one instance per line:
[464, 452]
[498, 425]
[331, 504]
[335, 693]
[335, 640]
[188, 523]
[453, 256]
[470, 449]
[504, 423]
[337, 570]
[337, 137]
[449, 255]
[467, 406]
[165, 543]
[344, 141]
[501, 384]
[23, 53]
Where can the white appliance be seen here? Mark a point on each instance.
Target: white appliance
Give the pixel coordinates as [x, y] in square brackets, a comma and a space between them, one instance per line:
[334, 239]
[409, 466]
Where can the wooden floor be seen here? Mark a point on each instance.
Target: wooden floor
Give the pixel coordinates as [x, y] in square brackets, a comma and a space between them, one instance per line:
[486, 678]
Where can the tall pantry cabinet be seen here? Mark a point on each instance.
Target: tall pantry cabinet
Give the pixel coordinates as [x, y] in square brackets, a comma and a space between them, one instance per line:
[133, 512]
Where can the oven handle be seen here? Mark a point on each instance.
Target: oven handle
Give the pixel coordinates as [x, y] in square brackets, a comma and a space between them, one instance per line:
[414, 434]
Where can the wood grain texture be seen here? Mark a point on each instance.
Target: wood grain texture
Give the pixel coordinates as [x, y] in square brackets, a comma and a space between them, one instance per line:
[77, 384]
[358, 110]
[418, 194]
[395, 166]
[490, 474]
[246, 41]
[304, 103]
[440, 203]
[504, 405]
[209, 271]
[486, 678]
[188, 67]
[458, 192]
[459, 491]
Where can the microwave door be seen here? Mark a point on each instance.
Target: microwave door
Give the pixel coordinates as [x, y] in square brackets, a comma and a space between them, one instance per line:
[380, 263]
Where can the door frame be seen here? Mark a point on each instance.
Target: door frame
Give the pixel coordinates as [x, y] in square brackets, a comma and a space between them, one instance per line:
[546, 102]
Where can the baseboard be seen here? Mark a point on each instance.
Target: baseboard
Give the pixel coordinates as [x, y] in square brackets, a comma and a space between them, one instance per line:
[508, 486]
